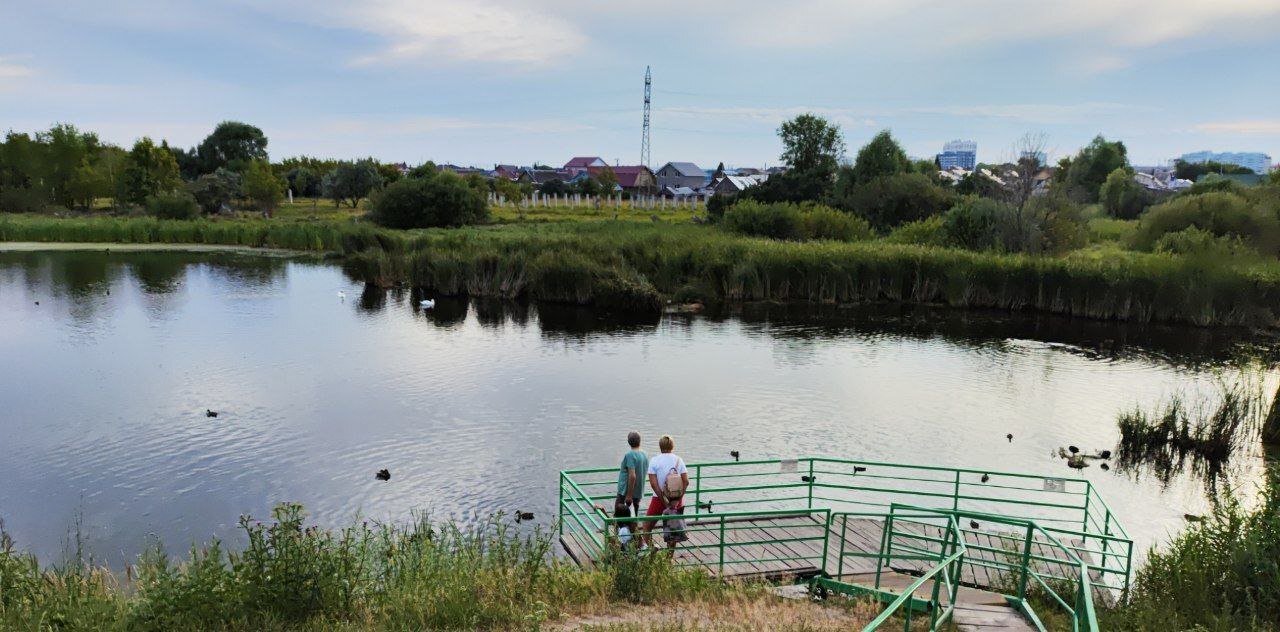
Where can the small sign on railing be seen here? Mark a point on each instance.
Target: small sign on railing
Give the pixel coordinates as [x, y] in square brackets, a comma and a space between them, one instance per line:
[787, 466]
[1055, 485]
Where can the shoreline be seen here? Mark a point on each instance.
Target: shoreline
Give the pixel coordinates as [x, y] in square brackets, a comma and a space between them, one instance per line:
[107, 246]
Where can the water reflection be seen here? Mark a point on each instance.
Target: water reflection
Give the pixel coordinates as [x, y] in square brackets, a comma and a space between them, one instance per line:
[476, 405]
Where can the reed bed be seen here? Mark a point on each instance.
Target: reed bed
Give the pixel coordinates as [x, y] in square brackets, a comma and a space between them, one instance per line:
[367, 576]
[639, 265]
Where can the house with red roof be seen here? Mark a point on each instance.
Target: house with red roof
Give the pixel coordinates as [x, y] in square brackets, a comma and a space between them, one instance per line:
[633, 178]
[578, 164]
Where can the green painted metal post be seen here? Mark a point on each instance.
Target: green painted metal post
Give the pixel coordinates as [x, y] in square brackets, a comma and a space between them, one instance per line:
[722, 546]
[697, 489]
[1106, 530]
[844, 528]
[811, 483]
[955, 496]
[1026, 567]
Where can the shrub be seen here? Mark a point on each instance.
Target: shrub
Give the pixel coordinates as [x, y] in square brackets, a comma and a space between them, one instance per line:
[21, 200]
[930, 231]
[173, 205]
[261, 186]
[1214, 183]
[1122, 197]
[888, 201]
[824, 222]
[213, 191]
[1221, 214]
[351, 181]
[973, 223]
[1198, 242]
[444, 200]
[776, 221]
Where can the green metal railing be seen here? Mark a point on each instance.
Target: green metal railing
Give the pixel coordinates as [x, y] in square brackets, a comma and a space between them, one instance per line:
[1038, 513]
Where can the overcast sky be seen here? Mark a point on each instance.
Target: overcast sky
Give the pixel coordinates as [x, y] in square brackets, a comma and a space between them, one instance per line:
[485, 81]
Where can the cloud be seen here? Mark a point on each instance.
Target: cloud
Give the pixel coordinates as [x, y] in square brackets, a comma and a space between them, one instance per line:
[486, 31]
[1043, 113]
[11, 68]
[428, 125]
[1260, 126]
[851, 117]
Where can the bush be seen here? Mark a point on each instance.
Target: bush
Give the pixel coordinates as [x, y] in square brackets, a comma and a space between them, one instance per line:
[793, 222]
[19, 200]
[1122, 197]
[824, 222]
[1221, 214]
[776, 221]
[216, 190]
[173, 205]
[973, 223]
[1197, 242]
[444, 200]
[888, 201]
[924, 232]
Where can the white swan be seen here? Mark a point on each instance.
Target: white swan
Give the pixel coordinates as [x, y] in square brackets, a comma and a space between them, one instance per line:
[342, 295]
[426, 303]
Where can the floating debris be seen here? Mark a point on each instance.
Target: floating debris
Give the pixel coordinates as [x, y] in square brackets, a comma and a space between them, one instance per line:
[383, 475]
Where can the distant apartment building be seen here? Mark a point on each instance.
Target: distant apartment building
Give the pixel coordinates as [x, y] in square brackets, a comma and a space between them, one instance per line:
[1254, 161]
[958, 153]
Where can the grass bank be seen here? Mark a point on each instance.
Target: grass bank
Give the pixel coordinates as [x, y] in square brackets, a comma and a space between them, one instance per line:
[379, 577]
[639, 265]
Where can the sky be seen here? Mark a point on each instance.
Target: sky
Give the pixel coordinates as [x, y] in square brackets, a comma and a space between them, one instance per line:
[479, 82]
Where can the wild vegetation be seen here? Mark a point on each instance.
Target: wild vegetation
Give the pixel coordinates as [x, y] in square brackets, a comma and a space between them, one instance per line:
[424, 575]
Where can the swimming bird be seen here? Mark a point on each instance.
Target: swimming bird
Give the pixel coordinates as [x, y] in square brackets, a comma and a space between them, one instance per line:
[427, 303]
[1105, 467]
[706, 505]
[1105, 454]
[210, 413]
[734, 454]
[1072, 449]
[986, 477]
[858, 468]
[973, 524]
[1192, 518]
[1009, 437]
[37, 303]
[383, 474]
[521, 516]
[808, 479]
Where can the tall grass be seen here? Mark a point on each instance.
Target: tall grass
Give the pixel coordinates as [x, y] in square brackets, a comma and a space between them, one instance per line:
[337, 237]
[421, 576]
[1201, 435]
[707, 264]
[634, 265]
[1220, 574]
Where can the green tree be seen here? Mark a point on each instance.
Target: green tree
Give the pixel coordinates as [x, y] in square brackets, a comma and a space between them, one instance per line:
[303, 181]
[351, 182]
[1091, 166]
[888, 201]
[811, 143]
[443, 201]
[1193, 170]
[233, 145]
[151, 169]
[214, 191]
[66, 153]
[1122, 197]
[607, 178]
[389, 172]
[883, 156]
[261, 186]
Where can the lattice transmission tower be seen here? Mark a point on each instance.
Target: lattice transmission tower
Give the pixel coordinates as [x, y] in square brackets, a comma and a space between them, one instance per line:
[644, 139]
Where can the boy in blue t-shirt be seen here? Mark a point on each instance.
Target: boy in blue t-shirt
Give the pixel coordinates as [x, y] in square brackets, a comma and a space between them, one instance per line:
[631, 480]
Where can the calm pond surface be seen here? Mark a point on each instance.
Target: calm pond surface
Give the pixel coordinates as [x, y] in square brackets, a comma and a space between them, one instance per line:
[475, 407]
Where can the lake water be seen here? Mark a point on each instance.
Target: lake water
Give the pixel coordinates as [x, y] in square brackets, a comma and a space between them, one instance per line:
[475, 407]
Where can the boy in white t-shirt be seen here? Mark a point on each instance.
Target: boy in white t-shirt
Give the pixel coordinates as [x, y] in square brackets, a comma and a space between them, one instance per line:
[663, 470]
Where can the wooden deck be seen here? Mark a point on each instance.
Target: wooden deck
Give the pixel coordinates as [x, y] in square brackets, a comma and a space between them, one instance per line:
[791, 546]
